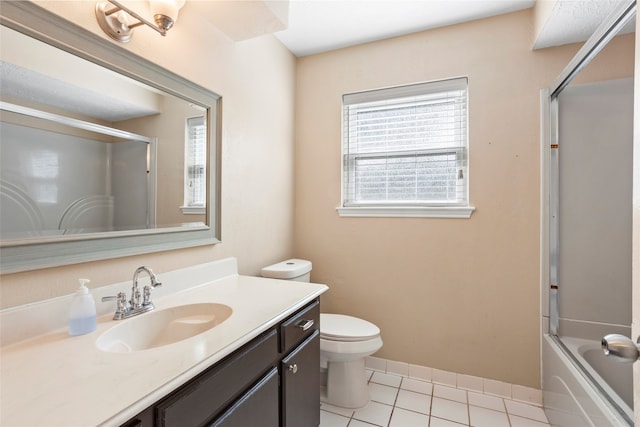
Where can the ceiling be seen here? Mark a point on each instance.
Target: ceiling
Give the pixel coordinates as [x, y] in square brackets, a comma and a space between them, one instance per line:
[316, 26]
[574, 21]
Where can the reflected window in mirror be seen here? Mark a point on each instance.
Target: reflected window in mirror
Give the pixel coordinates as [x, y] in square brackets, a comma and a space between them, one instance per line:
[195, 177]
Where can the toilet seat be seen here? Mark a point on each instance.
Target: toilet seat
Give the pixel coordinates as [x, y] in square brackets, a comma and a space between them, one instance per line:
[343, 328]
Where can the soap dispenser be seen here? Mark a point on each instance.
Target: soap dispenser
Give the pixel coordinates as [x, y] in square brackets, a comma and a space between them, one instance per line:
[82, 315]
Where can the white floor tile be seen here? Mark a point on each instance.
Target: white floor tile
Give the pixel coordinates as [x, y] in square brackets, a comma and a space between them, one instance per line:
[328, 419]
[404, 418]
[356, 423]
[483, 417]
[336, 409]
[525, 422]
[525, 411]
[450, 410]
[425, 397]
[450, 393]
[368, 373]
[386, 379]
[374, 413]
[382, 393]
[413, 401]
[486, 401]
[439, 422]
[418, 386]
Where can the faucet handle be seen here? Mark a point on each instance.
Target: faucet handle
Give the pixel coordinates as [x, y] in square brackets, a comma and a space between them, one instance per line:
[146, 299]
[120, 298]
[121, 301]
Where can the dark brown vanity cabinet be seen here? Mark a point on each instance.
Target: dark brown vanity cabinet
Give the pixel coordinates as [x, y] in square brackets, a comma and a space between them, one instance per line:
[273, 381]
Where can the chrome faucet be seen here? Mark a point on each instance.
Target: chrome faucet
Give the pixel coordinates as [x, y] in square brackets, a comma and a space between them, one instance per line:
[135, 307]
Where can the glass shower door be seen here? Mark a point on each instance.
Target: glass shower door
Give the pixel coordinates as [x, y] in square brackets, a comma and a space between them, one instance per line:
[594, 226]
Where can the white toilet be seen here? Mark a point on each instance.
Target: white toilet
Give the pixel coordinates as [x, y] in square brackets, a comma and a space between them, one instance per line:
[344, 343]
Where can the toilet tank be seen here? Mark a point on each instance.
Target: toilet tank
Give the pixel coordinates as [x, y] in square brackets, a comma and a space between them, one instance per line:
[291, 269]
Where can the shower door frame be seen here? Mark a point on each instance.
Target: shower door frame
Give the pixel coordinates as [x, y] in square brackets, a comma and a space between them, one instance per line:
[550, 194]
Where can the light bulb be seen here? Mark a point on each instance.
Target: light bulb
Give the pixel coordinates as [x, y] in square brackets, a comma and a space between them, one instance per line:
[123, 17]
[165, 12]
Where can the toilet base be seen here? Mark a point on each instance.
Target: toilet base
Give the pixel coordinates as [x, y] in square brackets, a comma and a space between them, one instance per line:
[347, 384]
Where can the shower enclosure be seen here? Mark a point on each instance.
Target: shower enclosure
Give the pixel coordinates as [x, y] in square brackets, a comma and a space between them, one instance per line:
[587, 231]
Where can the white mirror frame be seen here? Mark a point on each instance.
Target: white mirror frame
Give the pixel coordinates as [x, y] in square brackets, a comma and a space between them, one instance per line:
[39, 23]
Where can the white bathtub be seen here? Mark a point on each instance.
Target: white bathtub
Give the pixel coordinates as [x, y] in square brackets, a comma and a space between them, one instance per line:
[570, 399]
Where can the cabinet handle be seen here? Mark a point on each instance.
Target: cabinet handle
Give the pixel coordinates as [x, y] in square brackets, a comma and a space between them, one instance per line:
[305, 324]
[293, 368]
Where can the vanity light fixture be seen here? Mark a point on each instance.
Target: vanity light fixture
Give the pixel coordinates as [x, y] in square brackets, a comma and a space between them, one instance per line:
[114, 17]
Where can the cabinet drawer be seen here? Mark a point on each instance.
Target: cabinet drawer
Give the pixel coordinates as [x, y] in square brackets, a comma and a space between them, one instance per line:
[257, 407]
[215, 389]
[298, 327]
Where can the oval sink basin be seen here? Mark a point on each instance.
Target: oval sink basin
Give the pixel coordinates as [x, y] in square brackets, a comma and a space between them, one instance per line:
[162, 327]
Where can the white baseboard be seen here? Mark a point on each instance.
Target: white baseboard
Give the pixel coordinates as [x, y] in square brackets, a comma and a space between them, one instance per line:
[516, 392]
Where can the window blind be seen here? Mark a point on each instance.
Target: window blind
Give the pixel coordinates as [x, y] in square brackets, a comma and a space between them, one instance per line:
[406, 146]
[196, 162]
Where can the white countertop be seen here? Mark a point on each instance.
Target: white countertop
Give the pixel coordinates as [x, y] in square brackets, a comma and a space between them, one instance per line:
[53, 379]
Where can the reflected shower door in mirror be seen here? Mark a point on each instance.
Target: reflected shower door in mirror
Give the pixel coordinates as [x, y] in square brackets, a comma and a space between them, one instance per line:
[79, 148]
[66, 181]
[103, 153]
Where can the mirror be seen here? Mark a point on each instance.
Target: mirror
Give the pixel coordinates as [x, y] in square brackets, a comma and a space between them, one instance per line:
[103, 153]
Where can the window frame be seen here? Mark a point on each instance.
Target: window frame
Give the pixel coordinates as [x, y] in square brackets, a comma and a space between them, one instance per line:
[399, 208]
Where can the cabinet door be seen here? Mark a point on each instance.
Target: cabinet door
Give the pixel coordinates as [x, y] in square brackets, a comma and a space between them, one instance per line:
[301, 385]
[258, 407]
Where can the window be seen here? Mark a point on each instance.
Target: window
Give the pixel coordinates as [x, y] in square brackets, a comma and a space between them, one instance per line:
[405, 151]
[195, 167]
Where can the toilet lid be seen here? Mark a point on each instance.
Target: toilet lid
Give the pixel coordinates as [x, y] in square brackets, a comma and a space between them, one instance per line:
[340, 327]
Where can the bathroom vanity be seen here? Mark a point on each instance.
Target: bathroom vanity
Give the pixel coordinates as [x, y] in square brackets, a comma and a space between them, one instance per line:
[274, 380]
[258, 366]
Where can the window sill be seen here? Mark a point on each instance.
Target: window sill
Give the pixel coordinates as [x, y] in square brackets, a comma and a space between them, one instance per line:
[408, 212]
[193, 210]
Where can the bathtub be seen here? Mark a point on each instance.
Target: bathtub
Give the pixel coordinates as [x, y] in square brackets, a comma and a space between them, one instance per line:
[570, 399]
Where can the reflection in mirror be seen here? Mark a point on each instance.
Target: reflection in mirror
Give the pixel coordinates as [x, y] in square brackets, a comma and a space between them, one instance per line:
[103, 153]
[81, 157]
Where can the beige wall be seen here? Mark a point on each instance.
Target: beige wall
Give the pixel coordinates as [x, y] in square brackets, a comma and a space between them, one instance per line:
[455, 294]
[256, 81]
[459, 295]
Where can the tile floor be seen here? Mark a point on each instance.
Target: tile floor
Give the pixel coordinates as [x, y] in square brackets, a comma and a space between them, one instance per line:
[398, 401]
